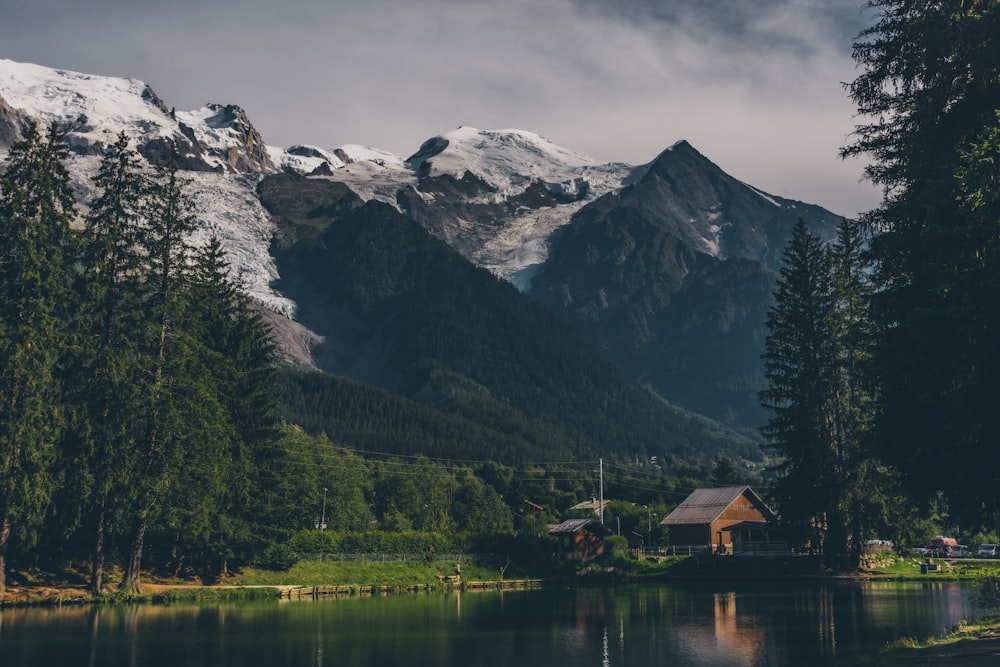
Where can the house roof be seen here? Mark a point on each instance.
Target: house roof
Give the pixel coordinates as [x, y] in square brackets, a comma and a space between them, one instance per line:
[593, 504]
[760, 525]
[706, 505]
[570, 526]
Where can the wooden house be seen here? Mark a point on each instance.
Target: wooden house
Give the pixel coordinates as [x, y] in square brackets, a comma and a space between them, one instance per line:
[584, 538]
[709, 518]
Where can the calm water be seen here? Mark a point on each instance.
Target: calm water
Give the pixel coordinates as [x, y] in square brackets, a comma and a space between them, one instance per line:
[774, 625]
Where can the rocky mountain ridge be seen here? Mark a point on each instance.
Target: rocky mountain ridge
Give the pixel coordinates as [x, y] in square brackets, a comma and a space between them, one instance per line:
[626, 252]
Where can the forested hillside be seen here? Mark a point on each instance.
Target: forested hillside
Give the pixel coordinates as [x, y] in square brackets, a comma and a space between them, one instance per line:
[401, 310]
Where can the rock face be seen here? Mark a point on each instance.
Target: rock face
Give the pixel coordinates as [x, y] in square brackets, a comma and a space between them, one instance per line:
[216, 138]
[12, 124]
[248, 154]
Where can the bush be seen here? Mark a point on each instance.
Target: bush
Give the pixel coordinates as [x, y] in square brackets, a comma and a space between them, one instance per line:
[617, 547]
[314, 542]
[986, 595]
[374, 542]
[278, 557]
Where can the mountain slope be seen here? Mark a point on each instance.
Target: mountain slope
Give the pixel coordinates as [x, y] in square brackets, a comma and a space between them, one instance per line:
[672, 276]
[401, 310]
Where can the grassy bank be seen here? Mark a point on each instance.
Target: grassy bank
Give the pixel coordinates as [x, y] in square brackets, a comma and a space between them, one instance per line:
[255, 583]
[968, 645]
[909, 569]
[372, 573]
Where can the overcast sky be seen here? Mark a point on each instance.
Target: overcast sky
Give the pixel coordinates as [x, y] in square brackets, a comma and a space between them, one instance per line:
[755, 85]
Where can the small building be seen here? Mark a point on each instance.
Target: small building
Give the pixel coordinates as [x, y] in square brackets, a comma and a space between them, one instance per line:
[584, 538]
[704, 519]
[593, 505]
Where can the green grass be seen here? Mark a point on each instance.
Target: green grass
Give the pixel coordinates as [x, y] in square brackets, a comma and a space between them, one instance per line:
[909, 569]
[325, 573]
[935, 649]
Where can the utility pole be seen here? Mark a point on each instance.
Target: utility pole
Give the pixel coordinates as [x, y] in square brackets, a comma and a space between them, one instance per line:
[601, 505]
[322, 520]
[649, 526]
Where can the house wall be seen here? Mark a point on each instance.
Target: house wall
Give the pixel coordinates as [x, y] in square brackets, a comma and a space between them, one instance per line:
[742, 509]
[587, 546]
[692, 533]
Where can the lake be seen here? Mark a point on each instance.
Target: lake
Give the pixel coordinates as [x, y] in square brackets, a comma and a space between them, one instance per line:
[773, 624]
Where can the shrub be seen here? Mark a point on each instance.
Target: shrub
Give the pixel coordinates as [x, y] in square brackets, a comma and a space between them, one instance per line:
[314, 541]
[987, 591]
[278, 557]
[617, 547]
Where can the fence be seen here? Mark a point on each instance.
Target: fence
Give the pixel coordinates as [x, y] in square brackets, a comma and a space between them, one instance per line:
[386, 558]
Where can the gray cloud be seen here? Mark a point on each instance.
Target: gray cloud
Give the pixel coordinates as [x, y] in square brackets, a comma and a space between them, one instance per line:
[753, 84]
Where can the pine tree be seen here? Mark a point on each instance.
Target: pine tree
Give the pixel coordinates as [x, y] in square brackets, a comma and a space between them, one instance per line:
[929, 88]
[817, 363]
[799, 367]
[231, 371]
[860, 483]
[108, 368]
[164, 350]
[36, 207]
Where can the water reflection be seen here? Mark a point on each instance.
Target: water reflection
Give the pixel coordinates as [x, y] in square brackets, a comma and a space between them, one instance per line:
[773, 625]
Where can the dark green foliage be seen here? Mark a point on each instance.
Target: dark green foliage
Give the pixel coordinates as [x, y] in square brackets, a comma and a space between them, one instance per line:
[725, 473]
[279, 557]
[616, 548]
[229, 371]
[816, 360]
[799, 362]
[929, 92]
[373, 419]
[36, 252]
[372, 542]
[107, 363]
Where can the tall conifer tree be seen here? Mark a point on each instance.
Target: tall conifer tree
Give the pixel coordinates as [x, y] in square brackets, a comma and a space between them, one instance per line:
[108, 371]
[231, 368]
[929, 89]
[160, 453]
[799, 367]
[36, 207]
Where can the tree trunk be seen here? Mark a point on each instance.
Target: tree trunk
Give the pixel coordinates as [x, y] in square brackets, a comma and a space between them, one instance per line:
[4, 542]
[97, 571]
[131, 583]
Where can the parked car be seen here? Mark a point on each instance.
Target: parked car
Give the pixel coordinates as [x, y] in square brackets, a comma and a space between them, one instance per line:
[988, 551]
[959, 551]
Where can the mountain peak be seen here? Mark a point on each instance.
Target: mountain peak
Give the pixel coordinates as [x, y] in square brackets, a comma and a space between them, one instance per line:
[505, 159]
[97, 109]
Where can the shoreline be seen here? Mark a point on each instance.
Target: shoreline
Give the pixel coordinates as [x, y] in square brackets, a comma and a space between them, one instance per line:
[976, 645]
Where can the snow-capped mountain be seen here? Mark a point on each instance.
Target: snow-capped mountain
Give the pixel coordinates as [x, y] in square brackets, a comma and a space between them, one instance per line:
[508, 200]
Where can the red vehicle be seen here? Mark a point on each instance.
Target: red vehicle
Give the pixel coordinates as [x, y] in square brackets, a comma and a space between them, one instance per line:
[941, 545]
